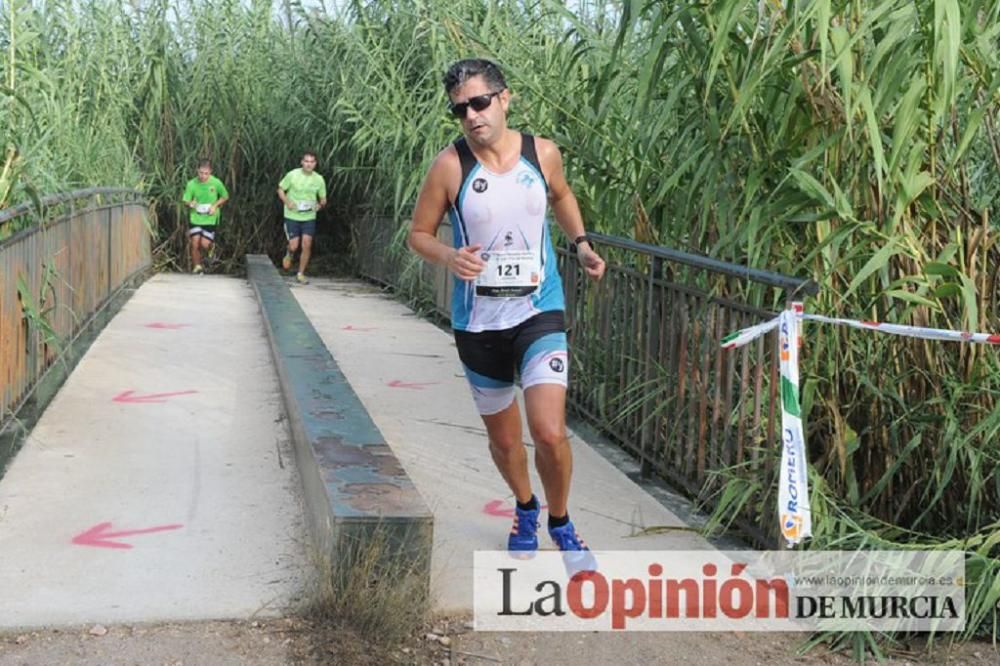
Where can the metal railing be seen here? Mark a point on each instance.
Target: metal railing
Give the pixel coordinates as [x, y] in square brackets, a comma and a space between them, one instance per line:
[647, 365]
[61, 260]
[381, 256]
[649, 370]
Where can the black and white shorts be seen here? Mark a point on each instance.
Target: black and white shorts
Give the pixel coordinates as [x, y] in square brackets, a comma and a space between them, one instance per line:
[536, 349]
[205, 232]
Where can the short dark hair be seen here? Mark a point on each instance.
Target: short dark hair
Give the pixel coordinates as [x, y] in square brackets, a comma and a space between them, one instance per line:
[306, 153]
[463, 70]
[204, 162]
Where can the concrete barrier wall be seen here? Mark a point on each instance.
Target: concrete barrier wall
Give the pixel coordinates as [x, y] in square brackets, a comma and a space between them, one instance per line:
[355, 488]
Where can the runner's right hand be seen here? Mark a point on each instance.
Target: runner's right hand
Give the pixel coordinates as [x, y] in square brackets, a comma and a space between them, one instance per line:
[466, 263]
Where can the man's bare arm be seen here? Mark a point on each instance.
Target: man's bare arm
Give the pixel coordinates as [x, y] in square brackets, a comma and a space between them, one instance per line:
[284, 199]
[432, 204]
[565, 207]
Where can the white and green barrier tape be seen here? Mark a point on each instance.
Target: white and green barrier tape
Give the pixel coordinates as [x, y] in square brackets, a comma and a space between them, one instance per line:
[793, 492]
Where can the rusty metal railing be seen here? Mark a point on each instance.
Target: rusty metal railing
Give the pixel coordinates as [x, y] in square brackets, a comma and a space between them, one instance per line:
[647, 366]
[61, 260]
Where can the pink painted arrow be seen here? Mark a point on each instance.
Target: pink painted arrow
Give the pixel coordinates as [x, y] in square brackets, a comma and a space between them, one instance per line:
[164, 325]
[126, 396]
[352, 327]
[497, 508]
[99, 536]
[419, 386]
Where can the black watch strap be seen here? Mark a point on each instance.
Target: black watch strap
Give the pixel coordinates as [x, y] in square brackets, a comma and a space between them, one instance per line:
[583, 238]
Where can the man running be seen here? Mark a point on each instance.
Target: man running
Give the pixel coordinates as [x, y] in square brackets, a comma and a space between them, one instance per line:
[204, 195]
[303, 191]
[507, 308]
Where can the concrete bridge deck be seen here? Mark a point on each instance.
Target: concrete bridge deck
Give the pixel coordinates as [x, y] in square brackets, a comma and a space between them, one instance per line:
[160, 484]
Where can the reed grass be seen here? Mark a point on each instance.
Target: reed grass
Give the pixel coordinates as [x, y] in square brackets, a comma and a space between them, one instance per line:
[851, 141]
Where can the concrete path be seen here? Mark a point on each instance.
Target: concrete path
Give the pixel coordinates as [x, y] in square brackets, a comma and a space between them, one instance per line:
[158, 484]
[406, 372]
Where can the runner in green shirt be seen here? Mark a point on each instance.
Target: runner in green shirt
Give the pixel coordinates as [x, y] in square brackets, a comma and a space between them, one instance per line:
[303, 191]
[204, 195]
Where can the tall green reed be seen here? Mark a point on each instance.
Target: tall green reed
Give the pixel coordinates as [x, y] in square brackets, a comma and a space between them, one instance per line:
[851, 141]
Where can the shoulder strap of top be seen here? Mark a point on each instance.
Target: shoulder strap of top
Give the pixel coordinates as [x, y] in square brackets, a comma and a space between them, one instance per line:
[466, 157]
[529, 153]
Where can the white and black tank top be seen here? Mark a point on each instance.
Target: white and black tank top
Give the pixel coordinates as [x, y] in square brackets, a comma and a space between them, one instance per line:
[506, 213]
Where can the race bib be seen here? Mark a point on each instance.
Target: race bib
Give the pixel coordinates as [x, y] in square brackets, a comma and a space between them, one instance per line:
[304, 206]
[508, 274]
[203, 208]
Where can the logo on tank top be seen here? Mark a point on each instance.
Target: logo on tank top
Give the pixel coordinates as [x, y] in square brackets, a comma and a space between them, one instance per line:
[525, 179]
[479, 185]
[508, 239]
[556, 364]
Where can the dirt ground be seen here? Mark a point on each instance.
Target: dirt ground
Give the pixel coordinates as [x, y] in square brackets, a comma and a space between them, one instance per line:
[299, 641]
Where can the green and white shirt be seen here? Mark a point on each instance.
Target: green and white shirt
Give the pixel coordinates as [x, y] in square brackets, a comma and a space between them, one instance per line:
[304, 191]
[204, 195]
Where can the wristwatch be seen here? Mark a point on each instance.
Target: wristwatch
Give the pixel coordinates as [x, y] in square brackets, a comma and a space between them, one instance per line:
[583, 238]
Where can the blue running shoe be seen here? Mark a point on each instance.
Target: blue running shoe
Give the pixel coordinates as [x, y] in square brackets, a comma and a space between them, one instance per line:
[523, 537]
[575, 554]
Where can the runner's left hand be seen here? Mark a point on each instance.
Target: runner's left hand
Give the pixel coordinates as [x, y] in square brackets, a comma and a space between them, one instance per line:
[592, 263]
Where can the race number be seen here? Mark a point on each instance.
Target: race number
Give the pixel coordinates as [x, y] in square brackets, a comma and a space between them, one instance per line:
[203, 208]
[509, 274]
[304, 206]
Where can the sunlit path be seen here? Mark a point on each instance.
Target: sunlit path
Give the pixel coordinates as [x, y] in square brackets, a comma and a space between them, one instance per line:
[407, 374]
[157, 485]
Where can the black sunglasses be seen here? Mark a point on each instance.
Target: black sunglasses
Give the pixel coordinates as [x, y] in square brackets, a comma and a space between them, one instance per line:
[478, 103]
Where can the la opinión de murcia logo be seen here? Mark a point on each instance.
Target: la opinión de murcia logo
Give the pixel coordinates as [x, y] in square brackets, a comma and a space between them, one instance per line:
[589, 594]
[722, 591]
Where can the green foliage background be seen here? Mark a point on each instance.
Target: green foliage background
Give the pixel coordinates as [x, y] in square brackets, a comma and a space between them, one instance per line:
[851, 141]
